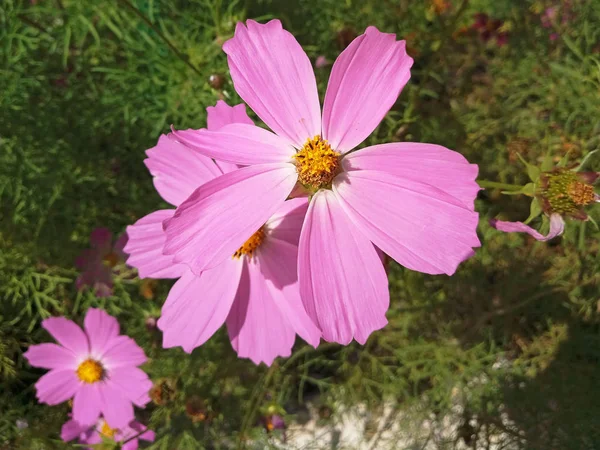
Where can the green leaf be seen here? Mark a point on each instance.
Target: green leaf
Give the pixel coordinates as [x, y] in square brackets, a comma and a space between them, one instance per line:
[547, 164]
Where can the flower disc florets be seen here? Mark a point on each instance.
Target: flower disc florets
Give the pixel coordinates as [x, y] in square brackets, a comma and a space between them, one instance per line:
[90, 371]
[565, 192]
[251, 244]
[317, 164]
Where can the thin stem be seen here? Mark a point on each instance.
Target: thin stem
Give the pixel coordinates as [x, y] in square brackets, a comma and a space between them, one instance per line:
[180, 55]
[496, 185]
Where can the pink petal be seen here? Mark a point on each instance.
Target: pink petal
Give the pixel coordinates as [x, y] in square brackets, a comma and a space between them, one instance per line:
[130, 445]
[430, 164]
[133, 383]
[222, 114]
[101, 239]
[197, 306]
[342, 282]
[70, 430]
[120, 244]
[273, 75]
[226, 167]
[146, 241]
[116, 408]
[365, 82]
[287, 222]
[137, 428]
[122, 351]
[211, 225]
[177, 171]
[57, 386]
[257, 328]
[557, 227]
[100, 328]
[278, 263]
[418, 225]
[67, 334]
[51, 356]
[87, 404]
[238, 143]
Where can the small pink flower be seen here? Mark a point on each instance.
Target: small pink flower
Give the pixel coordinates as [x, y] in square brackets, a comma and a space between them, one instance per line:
[254, 291]
[95, 366]
[413, 201]
[89, 435]
[97, 262]
[321, 62]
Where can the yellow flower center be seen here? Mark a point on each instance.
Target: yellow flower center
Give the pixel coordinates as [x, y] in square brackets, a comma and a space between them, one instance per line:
[251, 244]
[581, 193]
[111, 259]
[90, 371]
[107, 431]
[317, 164]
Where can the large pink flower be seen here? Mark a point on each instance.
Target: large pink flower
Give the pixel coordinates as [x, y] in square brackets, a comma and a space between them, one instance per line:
[89, 435]
[413, 201]
[254, 290]
[95, 366]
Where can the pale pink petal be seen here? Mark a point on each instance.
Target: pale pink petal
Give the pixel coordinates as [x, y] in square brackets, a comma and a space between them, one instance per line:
[211, 225]
[122, 351]
[101, 239]
[177, 171]
[365, 82]
[430, 164]
[273, 75]
[50, 356]
[197, 306]
[287, 222]
[70, 430]
[342, 282]
[222, 114]
[557, 227]
[87, 404]
[133, 383]
[237, 143]
[100, 328]
[146, 241]
[418, 225]
[116, 408]
[67, 334]
[57, 386]
[257, 328]
[278, 263]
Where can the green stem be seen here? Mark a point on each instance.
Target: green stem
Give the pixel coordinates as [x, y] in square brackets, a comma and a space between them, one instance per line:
[180, 55]
[496, 185]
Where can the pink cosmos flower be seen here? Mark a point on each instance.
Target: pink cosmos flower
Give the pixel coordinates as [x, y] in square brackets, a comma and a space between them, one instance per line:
[97, 262]
[413, 201]
[89, 435]
[254, 290]
[561, 193]
[321, 62]
[95, 366]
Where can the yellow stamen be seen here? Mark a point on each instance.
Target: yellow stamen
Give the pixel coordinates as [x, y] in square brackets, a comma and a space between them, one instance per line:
[317, 164]
[107, 431]
[251, 244]
[270, 426]
[581, 193]
[90, 371]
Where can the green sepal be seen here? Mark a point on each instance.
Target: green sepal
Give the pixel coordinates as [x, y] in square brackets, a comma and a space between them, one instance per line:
[535, 209]
[528, 189]
[585, 160]
[564, 160]
[533, 172]
[547, 163]
[591, 219]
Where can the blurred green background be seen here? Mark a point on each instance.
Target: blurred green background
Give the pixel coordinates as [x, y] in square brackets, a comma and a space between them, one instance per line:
[503, 355]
